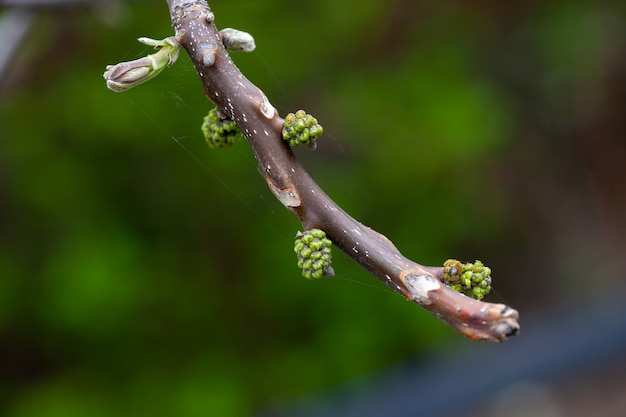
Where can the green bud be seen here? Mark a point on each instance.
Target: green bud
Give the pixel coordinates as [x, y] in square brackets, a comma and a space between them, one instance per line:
[306, 252]
[473, 280]
[301, 128]
[220, 132]
[314, 254]
[307, 265]
[317, 233]
[316, 244]
[466, 278]
[452, 270]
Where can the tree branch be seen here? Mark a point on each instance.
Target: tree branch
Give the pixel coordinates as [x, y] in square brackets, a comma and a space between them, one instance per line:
[239, 99]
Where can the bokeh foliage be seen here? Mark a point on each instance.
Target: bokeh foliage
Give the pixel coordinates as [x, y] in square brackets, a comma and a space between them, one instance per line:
[144, 274]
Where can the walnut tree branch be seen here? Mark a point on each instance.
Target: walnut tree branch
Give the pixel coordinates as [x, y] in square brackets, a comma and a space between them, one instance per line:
[236, 97]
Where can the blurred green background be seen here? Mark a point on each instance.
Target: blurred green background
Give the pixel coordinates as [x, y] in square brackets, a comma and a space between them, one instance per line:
[143, 274]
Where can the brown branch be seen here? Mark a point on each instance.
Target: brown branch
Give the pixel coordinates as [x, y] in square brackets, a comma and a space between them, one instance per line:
[235, 96]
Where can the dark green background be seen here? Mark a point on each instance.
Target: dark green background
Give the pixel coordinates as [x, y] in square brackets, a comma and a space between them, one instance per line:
[143, 274]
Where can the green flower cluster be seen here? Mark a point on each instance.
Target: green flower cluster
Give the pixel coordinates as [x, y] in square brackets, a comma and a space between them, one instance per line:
[313, 250]
[218, 132]
[473, 280]
[301, 128]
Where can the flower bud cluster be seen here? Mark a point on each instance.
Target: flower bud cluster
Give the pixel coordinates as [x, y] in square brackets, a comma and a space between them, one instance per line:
[314, 254]
[301, 128]
[473, 280]
[219, 132]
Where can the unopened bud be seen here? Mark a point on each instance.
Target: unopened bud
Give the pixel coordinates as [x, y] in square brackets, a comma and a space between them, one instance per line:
[126, 75]
[237, 40]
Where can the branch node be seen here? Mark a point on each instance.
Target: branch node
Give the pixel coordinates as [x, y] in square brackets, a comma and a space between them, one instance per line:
[266, 108]
[288, 196]
[420, 285]
[207, 51]
[208, 15]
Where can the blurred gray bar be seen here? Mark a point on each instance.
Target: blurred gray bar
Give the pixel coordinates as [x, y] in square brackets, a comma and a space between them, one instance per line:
[14, 26]
[551, 347]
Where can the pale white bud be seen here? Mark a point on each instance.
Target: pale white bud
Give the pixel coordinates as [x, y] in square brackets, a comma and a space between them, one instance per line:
[237, 40]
